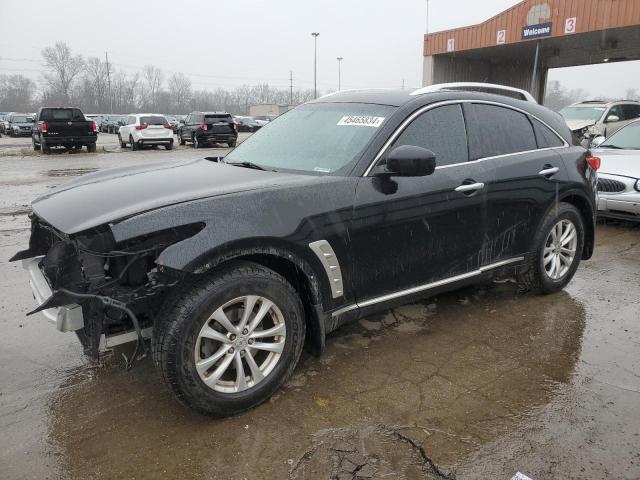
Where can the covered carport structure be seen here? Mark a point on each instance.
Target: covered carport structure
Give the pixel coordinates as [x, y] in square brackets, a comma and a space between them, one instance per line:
[518, 46]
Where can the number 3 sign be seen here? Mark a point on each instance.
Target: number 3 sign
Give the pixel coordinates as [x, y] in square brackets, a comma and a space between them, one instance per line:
[570, 25]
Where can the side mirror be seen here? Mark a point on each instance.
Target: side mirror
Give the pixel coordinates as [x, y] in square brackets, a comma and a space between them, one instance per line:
[410, 161]
[613, 118]
[596, 142]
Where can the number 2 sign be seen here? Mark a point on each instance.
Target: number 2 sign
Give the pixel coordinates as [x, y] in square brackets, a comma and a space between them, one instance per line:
[570, 25]
[502, 37]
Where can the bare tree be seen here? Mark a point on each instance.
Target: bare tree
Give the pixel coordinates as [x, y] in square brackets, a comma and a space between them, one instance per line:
[16, 93]
[180, 91]
[63, 69]
[95, 92]
[153, 78]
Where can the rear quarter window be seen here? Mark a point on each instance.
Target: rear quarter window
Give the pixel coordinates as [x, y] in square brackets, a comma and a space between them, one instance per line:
[495, 131]
[545, 136]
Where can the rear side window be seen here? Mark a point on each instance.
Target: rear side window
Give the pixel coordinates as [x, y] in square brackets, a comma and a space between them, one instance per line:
[631, 112]
[152, 120]
[440, 130]
[62, 115]
[546, 138]
[497, 131]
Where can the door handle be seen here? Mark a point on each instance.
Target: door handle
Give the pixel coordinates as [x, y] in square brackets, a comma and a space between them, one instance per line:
[548, 171]
[472, 187]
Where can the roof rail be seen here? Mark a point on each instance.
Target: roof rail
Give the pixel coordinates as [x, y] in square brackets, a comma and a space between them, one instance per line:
[524, 95]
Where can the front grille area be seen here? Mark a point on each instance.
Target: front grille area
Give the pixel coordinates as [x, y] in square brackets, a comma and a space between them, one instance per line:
[610, 186]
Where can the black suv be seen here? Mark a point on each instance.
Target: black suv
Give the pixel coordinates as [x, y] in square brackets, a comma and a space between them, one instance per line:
[378, 198]
[202, 128]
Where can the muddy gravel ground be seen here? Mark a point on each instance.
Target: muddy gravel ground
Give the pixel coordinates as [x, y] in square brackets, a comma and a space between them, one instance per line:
[480, 383]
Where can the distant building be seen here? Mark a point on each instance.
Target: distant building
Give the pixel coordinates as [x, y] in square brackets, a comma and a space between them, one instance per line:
[269, 110]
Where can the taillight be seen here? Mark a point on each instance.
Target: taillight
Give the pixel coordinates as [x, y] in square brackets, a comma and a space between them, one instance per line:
[94, 127]
[42, 126]
[235, 127]
[141, 127]
[594, 162]
[166, 125]
[203, 125]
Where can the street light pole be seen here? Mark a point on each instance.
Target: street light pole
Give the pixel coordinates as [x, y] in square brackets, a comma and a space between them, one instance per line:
[315, 64]
[339, 71]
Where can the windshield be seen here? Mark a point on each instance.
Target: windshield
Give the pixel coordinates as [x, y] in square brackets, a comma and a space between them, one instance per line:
[320, 138]
[627, 138]
[591, 114]
[21, 119]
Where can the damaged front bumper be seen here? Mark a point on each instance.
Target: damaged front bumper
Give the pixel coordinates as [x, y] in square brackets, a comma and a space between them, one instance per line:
[67, 318]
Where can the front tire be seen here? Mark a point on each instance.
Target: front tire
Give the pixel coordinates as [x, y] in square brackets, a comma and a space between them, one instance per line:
[227, 342]
[558, 249]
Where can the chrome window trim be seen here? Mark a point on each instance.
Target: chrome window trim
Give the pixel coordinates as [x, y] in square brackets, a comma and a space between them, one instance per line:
[426, 108]
[426, 286]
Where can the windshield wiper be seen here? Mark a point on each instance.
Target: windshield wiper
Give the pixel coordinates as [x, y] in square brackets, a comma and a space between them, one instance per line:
[252, 165]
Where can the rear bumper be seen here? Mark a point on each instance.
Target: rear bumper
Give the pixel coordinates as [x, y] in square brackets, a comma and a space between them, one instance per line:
[154, 141]
[66, 319]
[217, 137]
[81, 140]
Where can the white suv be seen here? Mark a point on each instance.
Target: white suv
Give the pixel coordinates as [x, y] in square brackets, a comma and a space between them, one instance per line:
[146, 129]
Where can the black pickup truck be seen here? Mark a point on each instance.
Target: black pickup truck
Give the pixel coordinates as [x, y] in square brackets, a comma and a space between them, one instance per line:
[63, 127]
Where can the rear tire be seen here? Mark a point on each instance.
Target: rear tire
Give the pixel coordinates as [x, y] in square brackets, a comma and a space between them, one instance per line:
[36, 146]
[179, 339]
[169, 146]
[122, 144]
[46, 149]
[558, 249]
[91, 148]
[194, 139]
[180, 139]
[232, 144]
[134, 146]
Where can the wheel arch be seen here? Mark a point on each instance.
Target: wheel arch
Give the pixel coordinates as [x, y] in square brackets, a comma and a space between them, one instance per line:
[303, 276]
[586, 209]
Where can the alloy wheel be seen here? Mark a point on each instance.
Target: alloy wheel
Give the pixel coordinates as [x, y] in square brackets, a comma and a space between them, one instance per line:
[560, 249]
[240, 344]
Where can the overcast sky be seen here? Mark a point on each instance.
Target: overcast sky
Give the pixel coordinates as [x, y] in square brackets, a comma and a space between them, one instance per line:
[229, 43]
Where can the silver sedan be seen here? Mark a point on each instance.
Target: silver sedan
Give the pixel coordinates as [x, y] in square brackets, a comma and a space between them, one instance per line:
[619, 174]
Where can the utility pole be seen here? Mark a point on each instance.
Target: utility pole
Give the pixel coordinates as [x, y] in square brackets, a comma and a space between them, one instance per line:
[402, 84]
[427, 21]
[315, 64]
[106, 59]
[290, 88]
[339, 71]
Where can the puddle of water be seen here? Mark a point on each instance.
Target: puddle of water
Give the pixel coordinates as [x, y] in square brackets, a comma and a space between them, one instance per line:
[70, 172]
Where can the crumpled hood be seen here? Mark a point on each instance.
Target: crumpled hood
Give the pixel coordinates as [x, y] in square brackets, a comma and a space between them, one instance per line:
[619, 162]
[111, 195]
[579, 124]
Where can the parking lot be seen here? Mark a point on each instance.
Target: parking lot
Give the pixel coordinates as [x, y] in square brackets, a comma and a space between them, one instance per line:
[480, 383]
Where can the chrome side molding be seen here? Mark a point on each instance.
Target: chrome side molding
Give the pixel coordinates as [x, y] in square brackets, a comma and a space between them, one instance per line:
[329, 261]
[425, 287]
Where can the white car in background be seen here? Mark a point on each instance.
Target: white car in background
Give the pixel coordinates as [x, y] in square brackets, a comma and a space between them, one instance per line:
[593, 118]
[619, 174]
[146, 129]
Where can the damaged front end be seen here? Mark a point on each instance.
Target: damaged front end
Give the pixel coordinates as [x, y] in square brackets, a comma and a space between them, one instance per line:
[108, 293]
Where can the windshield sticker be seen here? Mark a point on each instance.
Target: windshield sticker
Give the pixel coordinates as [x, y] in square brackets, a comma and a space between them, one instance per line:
[322, 170]
[361, 121]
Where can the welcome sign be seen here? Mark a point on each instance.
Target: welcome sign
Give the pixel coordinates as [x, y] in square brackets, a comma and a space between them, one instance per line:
[537, 31]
